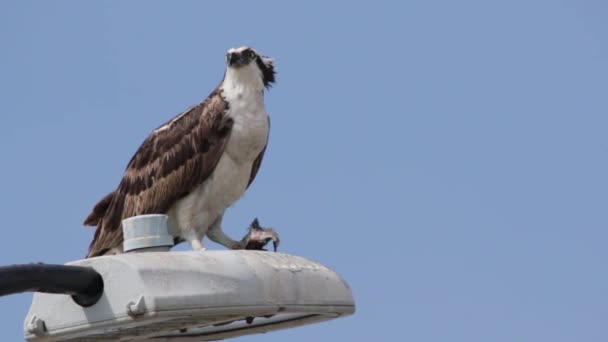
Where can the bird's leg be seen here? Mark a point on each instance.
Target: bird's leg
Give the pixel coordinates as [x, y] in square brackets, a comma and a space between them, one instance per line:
[216, 235]
[197, 245]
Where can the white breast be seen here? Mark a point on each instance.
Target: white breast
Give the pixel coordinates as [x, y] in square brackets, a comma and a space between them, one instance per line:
[194, 213]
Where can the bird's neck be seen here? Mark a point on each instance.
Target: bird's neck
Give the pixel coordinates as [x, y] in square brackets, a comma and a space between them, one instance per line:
[244, 79]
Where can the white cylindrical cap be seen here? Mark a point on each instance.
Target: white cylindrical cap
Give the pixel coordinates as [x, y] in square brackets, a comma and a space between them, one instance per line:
[146, 231]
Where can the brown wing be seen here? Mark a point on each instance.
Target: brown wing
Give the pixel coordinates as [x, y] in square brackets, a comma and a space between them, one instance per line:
[258, 161]
[169, 164]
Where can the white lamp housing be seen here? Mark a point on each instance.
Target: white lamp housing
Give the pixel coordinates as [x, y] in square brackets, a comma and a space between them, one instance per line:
[193, 296]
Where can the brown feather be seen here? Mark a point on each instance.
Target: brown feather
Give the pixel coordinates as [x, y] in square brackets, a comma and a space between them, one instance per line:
[168, 165]
[258, 161]
[99, 210]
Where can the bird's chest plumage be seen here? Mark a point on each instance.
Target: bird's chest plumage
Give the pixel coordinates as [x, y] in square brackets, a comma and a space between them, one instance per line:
[249, 132]
[230, 178]
[247, 139]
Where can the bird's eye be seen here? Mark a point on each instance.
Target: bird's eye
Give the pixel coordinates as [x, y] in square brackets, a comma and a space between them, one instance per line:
[251, 54]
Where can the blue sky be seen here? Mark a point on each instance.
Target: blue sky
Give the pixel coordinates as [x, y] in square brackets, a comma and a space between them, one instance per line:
[448, 159]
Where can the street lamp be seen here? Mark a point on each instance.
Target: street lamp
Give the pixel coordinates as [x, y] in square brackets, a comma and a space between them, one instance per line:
[152, 294]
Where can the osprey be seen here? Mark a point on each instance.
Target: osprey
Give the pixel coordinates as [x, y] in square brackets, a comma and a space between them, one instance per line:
[196, 165]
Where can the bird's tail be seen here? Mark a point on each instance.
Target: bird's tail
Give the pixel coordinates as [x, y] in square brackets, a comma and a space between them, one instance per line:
[99, 210]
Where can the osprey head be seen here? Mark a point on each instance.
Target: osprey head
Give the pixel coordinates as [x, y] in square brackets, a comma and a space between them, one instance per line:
[246, 57]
